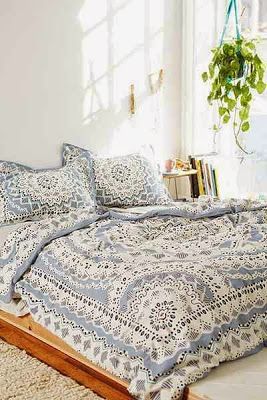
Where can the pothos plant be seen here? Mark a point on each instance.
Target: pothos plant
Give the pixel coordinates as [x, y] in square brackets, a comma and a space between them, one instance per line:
[235, 73]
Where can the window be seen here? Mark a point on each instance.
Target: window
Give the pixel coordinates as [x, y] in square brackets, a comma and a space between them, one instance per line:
[254, 16]
[237, 179]
[254, 20]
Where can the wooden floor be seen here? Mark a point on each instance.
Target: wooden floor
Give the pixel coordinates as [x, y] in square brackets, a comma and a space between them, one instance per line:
[244, 379]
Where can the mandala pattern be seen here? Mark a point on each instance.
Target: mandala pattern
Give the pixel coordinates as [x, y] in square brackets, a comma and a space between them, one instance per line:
[158, 299]
[124, 181]
[34, 194]
[128, 181]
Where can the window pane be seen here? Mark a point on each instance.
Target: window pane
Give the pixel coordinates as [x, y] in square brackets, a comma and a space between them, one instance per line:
[263, 16]
[246, 17]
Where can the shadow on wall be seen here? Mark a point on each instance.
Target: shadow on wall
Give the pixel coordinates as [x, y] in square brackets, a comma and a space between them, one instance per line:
[67, 72]
[122, 44]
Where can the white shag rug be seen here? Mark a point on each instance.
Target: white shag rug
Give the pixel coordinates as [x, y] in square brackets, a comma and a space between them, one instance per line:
[23, 377]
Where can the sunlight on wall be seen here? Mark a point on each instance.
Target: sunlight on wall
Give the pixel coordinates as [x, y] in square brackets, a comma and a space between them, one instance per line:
[122, 45]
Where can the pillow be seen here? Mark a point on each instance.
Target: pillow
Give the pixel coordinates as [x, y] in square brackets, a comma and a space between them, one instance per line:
[34, 194]
[8, 167]
[125, 181]
[70, 152]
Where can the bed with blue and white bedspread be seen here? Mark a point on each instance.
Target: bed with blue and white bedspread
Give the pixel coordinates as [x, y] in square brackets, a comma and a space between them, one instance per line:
[157, 298]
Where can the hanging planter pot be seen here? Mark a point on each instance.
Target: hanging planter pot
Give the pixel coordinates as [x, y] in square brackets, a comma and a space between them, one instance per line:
[235, 73]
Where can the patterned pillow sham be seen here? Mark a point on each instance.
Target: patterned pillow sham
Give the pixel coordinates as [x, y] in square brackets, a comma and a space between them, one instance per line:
[9, 167]
[70, 152]
[124, 181]
[34, 194]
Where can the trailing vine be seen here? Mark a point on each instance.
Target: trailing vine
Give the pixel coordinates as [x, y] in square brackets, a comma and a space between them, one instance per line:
[235, 73]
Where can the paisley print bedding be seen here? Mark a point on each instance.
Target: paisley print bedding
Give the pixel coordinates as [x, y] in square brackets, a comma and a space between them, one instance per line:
[157, 298]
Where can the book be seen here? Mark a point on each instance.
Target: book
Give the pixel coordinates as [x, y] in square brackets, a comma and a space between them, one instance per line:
[199, 178]
[209, 182]
[193, 179]
[216, 182]
[214, 191]
[205, 177]
[206, 180]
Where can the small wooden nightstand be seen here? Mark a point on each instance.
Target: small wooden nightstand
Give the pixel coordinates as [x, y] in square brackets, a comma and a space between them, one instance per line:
[174, 175]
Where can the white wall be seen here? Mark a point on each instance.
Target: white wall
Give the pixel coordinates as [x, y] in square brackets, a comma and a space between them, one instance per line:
[65, 71]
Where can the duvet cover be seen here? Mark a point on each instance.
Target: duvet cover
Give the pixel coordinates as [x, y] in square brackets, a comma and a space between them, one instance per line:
[157, 298]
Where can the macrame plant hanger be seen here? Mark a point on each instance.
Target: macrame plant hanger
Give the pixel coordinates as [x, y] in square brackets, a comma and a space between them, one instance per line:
[233, 6]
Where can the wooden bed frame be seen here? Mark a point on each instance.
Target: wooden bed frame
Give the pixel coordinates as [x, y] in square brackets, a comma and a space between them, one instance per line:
[37, 341]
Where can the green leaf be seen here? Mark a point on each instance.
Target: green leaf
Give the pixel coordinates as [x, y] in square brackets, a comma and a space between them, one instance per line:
[261, 73]
[257, 61]
[210, 98]
[226, 118]
[244, 113]
[222, 111]
[225, 48]
[230, 51]
[249, 97]
[260, 87]
[245, 126]
[237, 91]
[243, 101]
[215, 128]
[205, 76]
[231, 103]
[250, 45]
[211, 70]
[235, 65]
[246, 99]
[245, 90]
[245, 52]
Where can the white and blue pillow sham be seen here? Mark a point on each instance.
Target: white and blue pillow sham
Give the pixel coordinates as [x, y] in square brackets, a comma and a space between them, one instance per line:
[31, 194]
[124, 181]
[9, 167]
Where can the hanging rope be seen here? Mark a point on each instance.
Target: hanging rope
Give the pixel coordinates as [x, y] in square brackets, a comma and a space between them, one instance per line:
[232, 4]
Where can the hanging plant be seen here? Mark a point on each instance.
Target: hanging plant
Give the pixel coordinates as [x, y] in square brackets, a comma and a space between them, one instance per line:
[235, 73]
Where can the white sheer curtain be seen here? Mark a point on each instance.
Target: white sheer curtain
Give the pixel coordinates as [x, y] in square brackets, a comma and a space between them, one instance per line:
[202, 21]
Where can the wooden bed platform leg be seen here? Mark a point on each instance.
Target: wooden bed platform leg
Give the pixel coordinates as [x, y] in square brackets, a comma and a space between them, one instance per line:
[65, 364]
[188, 395]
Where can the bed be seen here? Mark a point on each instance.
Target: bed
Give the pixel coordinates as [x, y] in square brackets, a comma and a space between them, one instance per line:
[139, 304]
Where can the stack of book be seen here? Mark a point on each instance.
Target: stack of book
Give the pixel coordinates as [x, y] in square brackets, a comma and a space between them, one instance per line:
[206, 180]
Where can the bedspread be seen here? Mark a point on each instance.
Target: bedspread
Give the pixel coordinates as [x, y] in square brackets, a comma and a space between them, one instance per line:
[158, 298]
